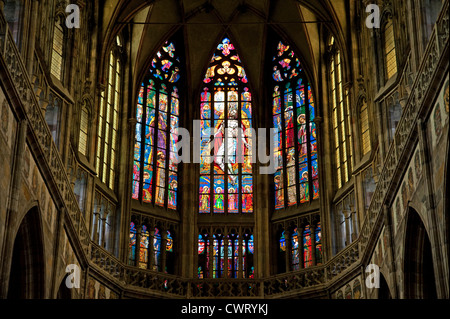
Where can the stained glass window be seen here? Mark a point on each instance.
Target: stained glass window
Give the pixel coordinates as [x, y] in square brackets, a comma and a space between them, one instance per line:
[233, 255]
[226, 180]
[307, 248]
[248, 250]
[218, 256]
[297, 178]
[318, 244]
[132, 245]
[143, 252]
[203, 256]
[155, 168]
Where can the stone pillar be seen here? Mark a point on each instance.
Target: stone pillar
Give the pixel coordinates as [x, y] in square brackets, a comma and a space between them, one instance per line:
[300, 232]
[151, 250]
[390, 250]
[287, 239]
[13, 218]
[32, 41]
[313, 244]
[434, 227]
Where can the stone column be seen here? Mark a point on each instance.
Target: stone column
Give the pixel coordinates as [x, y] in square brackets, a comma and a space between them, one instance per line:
[287, 239]
[13, 218]
[313, 244]
[151, 250]
[390, 250]
[300, 231]
[433, 222]
[32, 41]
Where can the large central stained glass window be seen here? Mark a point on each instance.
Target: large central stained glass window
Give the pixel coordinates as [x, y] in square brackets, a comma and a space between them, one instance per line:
[297, 178]
[155, 169]
[226, 180]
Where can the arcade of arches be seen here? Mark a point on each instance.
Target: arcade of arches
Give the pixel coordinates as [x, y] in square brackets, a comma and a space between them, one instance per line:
[101, 126]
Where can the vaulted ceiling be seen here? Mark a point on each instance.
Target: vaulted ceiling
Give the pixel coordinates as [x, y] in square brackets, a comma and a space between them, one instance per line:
[204, 22]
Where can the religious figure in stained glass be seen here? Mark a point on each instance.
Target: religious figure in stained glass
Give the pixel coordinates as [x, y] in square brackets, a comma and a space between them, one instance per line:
[297, 179]
[226, 180]
[155, 170]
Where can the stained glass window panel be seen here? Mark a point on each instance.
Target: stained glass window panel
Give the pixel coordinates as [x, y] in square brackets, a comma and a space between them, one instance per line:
[226, 107]
[296, 145]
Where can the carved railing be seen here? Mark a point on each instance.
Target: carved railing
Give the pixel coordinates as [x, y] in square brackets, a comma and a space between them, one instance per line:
[28, 106]
[294, 282]
[344, 260]
[404, 138]
[225, 288]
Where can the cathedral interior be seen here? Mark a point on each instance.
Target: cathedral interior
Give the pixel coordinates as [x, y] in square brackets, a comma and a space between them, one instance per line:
[209, 149]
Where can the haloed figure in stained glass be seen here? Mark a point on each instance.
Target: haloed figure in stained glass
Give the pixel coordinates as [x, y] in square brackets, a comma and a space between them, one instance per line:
[226, 181]
[155, 168]
[296, 180]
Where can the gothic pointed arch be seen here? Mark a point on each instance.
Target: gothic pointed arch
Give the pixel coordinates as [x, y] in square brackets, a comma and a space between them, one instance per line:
[294, 110]
[155, 166]
[226, 168]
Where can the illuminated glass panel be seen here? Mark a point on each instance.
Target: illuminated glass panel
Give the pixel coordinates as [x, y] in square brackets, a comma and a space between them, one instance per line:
[226, 175]
[132, 245]
[307, 248]
[155, 168]
[318, 244]
[295, 146]
[365, 131]
[143, 252]
[58, 49]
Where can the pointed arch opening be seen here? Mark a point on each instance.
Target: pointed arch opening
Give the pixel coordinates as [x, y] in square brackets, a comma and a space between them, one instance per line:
[155, 166]
[420, 280]
[294, 111]
[27, 274]
[226, 170]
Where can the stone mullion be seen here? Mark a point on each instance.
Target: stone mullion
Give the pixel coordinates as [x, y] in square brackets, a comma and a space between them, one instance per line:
[151, 252]
[287, 240]
[300, 231]
[313, 244]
